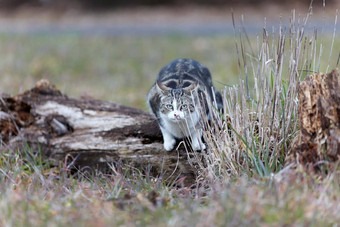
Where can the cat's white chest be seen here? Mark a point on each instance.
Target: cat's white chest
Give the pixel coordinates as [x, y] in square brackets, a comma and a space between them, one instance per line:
[183, 128]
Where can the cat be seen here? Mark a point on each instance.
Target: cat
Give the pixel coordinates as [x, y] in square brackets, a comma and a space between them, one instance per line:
[173, 100]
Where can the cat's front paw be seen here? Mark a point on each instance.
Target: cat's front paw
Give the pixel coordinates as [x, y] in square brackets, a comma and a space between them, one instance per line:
[169, 144]
[198, 146]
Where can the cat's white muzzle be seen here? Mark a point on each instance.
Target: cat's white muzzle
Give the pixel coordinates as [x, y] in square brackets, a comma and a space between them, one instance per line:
[176, 116]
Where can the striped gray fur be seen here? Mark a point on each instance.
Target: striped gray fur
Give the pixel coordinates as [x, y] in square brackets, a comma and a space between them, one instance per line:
[170, 100]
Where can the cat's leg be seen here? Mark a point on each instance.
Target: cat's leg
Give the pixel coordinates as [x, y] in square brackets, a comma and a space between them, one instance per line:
[169, 140]
[196, 141]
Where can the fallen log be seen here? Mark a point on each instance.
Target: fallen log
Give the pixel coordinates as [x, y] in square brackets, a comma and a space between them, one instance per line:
[318, 140]
[93, 132]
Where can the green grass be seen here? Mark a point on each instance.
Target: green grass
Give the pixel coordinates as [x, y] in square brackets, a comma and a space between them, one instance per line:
[118, 69]
[246, 182]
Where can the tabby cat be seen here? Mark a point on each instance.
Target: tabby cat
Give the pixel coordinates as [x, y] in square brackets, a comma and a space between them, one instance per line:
[173, 99]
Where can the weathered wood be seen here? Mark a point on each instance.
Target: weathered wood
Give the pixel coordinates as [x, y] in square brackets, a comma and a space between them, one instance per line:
[93, 132]
[319, 118]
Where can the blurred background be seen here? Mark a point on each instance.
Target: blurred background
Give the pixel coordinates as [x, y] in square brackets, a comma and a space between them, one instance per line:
[112, 4]
[113, 50]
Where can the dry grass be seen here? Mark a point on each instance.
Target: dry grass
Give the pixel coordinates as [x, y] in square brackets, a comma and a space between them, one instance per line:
[254, 133]
[33, 193]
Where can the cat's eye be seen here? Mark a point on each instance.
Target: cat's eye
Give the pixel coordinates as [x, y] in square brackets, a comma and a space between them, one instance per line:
[169, 106]
[184, 107]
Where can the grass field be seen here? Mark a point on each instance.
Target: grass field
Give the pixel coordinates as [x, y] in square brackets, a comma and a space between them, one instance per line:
[122, 69]
[118, 69]
[33, 194]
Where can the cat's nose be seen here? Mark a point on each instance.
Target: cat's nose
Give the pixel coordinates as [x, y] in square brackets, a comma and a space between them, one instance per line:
[176, 116]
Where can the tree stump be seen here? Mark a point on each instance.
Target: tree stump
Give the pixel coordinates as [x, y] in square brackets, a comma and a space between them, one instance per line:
[318, 140]
[93, 132]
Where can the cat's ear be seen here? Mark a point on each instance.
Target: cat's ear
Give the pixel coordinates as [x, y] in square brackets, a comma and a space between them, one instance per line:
[192, 87]
[162, 87]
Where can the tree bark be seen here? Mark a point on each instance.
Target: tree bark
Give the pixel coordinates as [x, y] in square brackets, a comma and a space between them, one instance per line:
[88, 133]
[318, 140]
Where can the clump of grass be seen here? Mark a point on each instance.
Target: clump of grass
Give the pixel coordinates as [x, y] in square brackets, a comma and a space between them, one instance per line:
[254, 133]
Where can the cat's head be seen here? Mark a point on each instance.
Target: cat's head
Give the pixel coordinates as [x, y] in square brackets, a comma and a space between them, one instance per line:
[177, 104]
